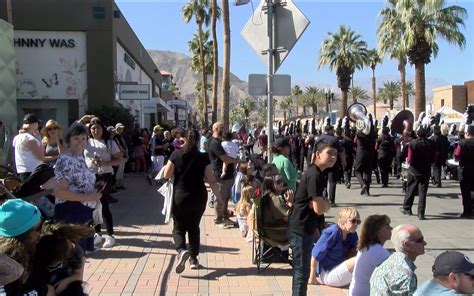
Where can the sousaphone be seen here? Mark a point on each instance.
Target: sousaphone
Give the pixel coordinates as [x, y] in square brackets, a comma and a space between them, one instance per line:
[402, 121]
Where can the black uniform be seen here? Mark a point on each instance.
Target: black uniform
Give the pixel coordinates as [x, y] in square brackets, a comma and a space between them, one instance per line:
[385, 154]
[465, 154]
[348, 145]
[441, 146]
[420, 156]
[364, 159]
[334, 173]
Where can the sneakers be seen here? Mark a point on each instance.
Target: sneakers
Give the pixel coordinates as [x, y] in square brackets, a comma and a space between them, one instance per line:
[228, 222]
[109, 241]
[97, 239]
[194, 263]
[182, 258]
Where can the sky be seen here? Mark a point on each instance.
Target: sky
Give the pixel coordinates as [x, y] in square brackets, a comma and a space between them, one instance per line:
[159, 25]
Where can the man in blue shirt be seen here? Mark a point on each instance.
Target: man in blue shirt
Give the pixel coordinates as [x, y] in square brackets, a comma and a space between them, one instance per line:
[453, 274]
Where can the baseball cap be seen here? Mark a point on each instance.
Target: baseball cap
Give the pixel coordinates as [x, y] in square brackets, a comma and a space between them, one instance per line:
[281, 142]
[331, 140]
[30, 118]
[452, 261]
[119, 125]
[17, 217]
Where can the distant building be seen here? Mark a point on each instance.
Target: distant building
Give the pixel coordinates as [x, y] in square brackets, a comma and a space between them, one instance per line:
[75, 55]
[179, 113]
[454, 96]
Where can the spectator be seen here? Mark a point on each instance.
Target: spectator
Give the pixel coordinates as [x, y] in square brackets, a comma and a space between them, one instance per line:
[76, 195]
[122, 144]
[29, 152]
[376, 230]
[243, 208]
[157, 151]
[334, 252]
[178, 140]
[20, 227]
[52, 142]
[217, 157]
[169, 141]
[10, 271]
[281, 148]
[203, 140]
[139, 151]
[396, 275]
[231, 149]
[101, 154]
[309, 203]
[263, 142]
[453, 274]
[190, 169]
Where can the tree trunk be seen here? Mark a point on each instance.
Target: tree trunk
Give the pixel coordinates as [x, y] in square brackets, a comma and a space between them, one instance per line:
[215, 73]
[403, 85]
[284, 117]
[374, 93]
[226, 65]
[420, 96]
[343, 104]
[391, 103]
[204, 75]
[354, 99]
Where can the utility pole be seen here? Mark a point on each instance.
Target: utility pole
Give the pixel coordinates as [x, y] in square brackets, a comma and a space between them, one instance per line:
[9, 12]
[270, 79]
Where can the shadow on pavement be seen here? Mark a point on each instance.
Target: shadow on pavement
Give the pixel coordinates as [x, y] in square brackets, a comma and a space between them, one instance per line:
[132, 233]
[215, 274]
[113, 254]
[447, 196]
[214, 249]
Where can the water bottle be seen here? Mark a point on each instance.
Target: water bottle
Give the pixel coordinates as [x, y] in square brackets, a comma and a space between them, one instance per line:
[97, 159]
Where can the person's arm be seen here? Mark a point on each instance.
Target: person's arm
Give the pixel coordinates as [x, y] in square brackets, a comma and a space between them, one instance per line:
[325, 243]
[211, 180]
[37, 150]
[169, 170]
[319, 204]
[61, 190]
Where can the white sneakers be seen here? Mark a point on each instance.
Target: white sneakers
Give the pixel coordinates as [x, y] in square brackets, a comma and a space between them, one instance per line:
[108, 243]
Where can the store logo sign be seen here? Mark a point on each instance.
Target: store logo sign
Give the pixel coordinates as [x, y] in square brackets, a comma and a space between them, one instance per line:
[44, 42]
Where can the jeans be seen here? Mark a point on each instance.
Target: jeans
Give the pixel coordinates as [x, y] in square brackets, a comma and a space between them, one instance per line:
[225, 188]
[301, 246]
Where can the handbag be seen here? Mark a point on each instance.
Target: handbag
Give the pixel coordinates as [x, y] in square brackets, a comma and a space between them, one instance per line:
[97, 214]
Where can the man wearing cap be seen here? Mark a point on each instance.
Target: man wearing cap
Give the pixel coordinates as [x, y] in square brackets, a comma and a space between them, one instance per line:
[122, 144]
[396, 275]
[453, 274]
[464, 153]
[157, 150]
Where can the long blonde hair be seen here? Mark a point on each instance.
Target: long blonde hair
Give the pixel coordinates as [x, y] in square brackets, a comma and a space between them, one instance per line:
[246, 196]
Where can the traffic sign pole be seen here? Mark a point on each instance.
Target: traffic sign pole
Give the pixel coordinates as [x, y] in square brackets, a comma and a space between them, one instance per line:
[270, 79]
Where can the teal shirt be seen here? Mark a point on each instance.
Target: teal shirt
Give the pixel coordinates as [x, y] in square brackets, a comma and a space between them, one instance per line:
[287, 170]
[395, 276]
[432, 287]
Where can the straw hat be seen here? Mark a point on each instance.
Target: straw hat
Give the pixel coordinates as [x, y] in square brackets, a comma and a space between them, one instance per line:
[50, 123]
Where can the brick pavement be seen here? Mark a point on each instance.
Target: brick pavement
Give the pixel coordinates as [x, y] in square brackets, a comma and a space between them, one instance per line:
[143, 261]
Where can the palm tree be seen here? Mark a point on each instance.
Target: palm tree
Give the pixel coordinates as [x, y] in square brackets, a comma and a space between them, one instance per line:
[421, 23]
[314, 97]
[296, 92]
[226, 65]
[200, 11]
[390, 91]
[373, 59]
[344, 51]
[216, 14]
[358, 93]
[285, 105]
[410, 91]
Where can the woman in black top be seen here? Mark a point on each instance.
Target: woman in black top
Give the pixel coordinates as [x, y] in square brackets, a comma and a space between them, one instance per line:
[190, 169]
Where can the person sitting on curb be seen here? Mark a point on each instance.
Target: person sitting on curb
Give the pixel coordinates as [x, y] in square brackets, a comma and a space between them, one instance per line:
[453, 274]
[396, 275]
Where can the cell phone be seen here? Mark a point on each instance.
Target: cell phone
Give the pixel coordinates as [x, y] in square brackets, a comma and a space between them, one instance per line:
[100, 186]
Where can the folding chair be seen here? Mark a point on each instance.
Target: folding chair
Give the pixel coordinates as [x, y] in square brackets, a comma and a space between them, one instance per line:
[265, 250]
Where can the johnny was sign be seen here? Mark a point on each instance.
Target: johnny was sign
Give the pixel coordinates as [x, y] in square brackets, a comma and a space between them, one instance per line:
[134, 92]
[42, 42]
[51, 65]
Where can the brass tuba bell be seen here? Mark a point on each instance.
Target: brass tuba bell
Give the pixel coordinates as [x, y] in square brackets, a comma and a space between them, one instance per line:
[357, 113]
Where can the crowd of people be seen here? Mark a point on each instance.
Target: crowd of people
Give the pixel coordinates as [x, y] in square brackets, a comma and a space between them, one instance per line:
[284, 200]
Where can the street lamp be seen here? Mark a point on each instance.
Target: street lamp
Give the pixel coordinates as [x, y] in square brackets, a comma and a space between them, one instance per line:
[329, 98]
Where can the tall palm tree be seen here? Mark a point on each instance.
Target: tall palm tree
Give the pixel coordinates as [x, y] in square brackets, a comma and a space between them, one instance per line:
[422, 22]
[344, 51]
[200, 11]
[358, 93]
[373, 59]
[409, 91]
[216, 14]
[390, 91]
[226, 65]
[194, 48]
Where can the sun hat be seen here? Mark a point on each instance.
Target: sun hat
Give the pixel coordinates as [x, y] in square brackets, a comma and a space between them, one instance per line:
[119, 125]
[157, 128]
[17, 217]
[452, 261]
[50, 123]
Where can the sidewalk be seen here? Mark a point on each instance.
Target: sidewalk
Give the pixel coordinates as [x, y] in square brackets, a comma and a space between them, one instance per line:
[142, 262]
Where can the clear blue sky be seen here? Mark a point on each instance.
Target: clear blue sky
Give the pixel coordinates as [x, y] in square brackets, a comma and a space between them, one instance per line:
[159, 25]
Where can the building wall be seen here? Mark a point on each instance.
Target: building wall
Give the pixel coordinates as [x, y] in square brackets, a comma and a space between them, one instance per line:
[469, 91]
[454, 96]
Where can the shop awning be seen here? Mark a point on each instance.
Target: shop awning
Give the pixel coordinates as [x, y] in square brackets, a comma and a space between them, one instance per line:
[162, 106]
[449, 115]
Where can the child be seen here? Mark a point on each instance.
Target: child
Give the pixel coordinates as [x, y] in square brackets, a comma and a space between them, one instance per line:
[231, 149]
[243, 208]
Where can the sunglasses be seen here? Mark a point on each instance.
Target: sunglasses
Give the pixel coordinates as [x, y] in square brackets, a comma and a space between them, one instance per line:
[418, 241]
[355, 221]
[471, 276]
[53, 128]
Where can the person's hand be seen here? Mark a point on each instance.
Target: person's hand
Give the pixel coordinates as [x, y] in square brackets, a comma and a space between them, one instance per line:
[289, 195]
[86, 118]
[95, 196]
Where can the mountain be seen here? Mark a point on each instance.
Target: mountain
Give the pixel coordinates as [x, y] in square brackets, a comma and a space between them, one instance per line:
[179, 65]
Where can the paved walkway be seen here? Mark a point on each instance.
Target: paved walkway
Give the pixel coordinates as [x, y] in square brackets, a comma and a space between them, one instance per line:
[143, 261]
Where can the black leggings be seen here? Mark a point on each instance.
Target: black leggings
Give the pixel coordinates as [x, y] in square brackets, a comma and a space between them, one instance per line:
[186, 220]
[104, 200]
